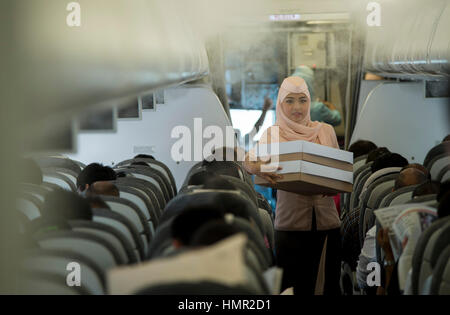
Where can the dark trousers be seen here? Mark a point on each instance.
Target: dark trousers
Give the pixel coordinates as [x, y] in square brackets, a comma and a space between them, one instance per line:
[298, 254]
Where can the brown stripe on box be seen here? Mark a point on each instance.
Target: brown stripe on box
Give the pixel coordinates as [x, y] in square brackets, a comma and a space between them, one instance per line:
[306, 184]
[315, 159]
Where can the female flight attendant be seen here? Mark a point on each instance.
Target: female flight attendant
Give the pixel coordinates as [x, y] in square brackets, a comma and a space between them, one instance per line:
[302, 223]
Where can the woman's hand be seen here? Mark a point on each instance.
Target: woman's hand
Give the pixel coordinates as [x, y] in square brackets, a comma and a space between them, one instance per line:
[255, 168]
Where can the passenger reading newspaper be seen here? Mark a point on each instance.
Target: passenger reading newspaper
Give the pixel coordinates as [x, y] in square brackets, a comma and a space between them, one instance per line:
[405, 224]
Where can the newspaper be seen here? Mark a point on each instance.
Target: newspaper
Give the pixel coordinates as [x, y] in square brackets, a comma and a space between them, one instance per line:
[405, 222]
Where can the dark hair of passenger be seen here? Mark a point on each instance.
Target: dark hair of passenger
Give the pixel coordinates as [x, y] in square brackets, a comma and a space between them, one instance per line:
[373, 155]
[186, 224]
[420, 167]
[444, 206]
[94, 173]
[213, 232]
[427, 188]
[409, 177]
[447, 138]
[61, 206]
[388, 160]
[30, 172]
[444, 189]
[140, 164]
[217, 182]
[200, 178]
[362, 147]
[144, 156]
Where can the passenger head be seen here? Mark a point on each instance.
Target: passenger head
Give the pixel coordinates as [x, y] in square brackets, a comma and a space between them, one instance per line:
[444, 189]
[420, 167]
[61, 206]
[97, 203]
[200, 178]
[213, 232]
[373, 155]
[427, 188]
[447, 138]
[217, 182]
[444, 205]
[104, 188]
[361, 147]
[409, 177]
[388, 160]
[186, 224]
[94, 173]
[144, 156]
[30, 172]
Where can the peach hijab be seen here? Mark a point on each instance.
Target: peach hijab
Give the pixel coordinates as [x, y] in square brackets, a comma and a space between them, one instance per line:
[307, 130]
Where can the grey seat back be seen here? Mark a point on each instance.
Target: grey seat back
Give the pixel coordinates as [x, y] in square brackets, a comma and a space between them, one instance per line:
[440, 284]
[120, 243]
[92, 277]
[149, 175]
[141, 200]
[437, 164]
[57, 161]
[435, 246]
[152, 192]
[72, 175]
[158, 165]
[160, 174]
[38, 191]
[401, 196]
[359, 162]
[419, 252]
[100, 251]
[52, 176]
[444, 174]
[125, 226]
[356, 194]
[132, 213]
[29, 205]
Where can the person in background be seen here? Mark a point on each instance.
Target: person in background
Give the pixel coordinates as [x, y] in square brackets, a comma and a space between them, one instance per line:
[59, 207]
[420, 167]
[302, 222]
[94, 173]
[320, 110]
[407, 177]
[362, 147]
[388, 160]
[187, 223]
[248, 138]
[375, 154]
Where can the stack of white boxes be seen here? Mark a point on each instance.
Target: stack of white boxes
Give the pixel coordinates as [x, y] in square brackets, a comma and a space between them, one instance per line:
[308, 168]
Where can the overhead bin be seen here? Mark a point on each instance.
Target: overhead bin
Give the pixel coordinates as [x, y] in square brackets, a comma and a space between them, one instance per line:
[412, 39]
[121, 48]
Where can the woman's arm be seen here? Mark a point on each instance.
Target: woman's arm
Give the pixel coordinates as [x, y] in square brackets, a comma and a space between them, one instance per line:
[254, 165]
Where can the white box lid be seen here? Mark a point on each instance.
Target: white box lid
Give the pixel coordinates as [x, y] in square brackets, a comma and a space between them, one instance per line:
[305, 147]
